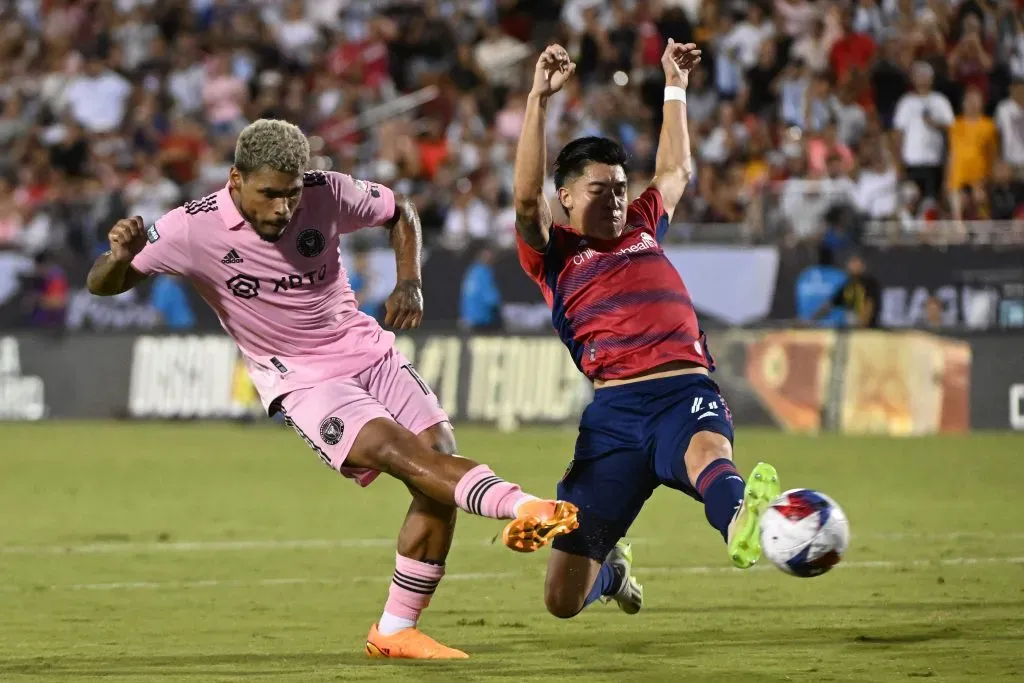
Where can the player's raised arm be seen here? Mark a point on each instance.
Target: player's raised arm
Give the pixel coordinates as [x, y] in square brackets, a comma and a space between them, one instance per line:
[112, 273]
[673, 165]
[404, 308]
[533, 215]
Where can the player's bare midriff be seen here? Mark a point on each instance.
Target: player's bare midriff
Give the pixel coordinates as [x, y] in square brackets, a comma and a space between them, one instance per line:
[676, 367]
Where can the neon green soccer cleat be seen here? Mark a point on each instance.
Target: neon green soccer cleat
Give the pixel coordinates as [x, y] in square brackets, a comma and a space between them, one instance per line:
[630, 597]
[745, 528]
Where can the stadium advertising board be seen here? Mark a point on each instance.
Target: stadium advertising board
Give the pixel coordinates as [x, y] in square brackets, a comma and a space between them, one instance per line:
[905, 384]
[796, 380]
[499, 380]
[997, 386]
[977, 288]
[864, 382]
[505, 381]
[188, 377]
[58, 376]
[22, 396]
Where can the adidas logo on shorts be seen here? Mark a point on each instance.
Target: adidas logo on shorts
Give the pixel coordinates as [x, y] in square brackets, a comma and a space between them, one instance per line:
[232, 257]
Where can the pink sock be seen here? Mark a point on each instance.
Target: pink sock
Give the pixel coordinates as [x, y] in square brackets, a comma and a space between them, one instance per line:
[412, 586]
[481, 492]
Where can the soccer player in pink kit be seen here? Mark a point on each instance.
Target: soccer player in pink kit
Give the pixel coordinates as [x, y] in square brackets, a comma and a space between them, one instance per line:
[263, 253]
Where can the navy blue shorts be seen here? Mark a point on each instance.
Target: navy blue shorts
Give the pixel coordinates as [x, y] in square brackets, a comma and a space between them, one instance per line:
[632, 440]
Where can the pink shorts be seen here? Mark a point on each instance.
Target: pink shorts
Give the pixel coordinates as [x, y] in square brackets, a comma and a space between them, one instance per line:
[329, 416]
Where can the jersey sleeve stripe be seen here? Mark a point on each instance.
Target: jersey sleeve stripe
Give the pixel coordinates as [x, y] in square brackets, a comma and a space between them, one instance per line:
[662, 228]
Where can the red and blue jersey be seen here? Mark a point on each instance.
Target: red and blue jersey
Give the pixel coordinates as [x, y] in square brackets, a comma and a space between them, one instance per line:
[619, 305]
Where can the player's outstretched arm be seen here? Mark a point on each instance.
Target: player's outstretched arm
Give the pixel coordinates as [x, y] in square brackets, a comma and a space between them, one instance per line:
[533, 215]
[404, 308]
[112, 273]
[673, 166]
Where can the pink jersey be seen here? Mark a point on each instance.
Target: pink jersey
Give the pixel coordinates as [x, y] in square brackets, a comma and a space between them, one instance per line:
[287, 304]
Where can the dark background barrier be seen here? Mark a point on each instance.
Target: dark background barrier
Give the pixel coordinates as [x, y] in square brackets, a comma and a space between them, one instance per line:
[503, 380]
[997, 384]
[797, 380]
[978, 287]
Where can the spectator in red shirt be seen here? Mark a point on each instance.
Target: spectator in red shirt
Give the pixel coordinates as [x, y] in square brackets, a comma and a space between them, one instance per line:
[181, 149]
[851, 58]
[366, 60]
[433, 149]
[970, 60]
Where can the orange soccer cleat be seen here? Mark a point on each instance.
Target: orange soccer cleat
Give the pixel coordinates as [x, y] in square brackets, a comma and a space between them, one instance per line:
[409, 643]
[538, 522]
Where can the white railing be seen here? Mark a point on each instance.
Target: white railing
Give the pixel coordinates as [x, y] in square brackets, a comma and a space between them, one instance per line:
[944, 233]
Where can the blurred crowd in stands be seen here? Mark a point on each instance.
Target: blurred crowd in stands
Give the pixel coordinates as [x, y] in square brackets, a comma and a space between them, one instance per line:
[810, 118]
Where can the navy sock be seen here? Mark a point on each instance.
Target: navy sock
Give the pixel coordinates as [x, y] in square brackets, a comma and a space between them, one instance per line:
[608, 583]
[721, 487]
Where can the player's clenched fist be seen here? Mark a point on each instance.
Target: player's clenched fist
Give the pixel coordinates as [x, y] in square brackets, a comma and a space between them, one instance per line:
[404, 308]
[554, 68]
[127, 238]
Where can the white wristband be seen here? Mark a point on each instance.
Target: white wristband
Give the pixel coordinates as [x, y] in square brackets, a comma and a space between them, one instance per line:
[674, 92]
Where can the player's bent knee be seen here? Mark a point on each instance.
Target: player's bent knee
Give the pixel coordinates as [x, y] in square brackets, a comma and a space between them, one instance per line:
[563, 602]
[705, 448]
[569, 580]
[440, 437]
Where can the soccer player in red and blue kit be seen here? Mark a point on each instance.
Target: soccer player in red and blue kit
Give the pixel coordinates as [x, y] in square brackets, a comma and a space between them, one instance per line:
[626, 317]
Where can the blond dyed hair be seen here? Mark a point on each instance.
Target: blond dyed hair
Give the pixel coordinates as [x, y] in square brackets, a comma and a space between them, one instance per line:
[272, 143]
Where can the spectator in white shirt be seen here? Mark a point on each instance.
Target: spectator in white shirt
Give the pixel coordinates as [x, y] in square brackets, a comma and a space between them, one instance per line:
[297, 34]
[813, 48]
[187, 77]
[573, 12]
[877, 191]
[468, 218]
[797, 16]
[499, 55]
[97, 99]
[726, 138]
[838, 188]
[746, 36]
[922, 119]
[869, 18]
[851, 121]
[805, 202]
[136, 36]
[152, 194]
[1010, 122]
[326, 13]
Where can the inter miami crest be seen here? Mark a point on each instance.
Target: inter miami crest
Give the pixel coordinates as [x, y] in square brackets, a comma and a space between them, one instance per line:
[331, 431]
[311, 242]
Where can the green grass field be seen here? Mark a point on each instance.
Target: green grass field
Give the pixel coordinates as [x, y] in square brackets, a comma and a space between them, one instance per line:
[223, 553]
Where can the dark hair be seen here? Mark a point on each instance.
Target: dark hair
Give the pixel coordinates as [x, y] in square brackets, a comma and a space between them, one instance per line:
[575, 156]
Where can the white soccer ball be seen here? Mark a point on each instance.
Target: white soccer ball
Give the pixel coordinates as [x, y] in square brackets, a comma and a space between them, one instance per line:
[804, 533]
